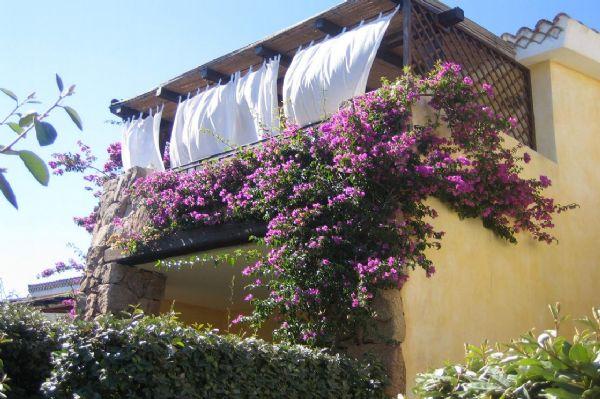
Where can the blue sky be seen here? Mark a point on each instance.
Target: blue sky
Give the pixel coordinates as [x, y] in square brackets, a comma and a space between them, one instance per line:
[117, 49]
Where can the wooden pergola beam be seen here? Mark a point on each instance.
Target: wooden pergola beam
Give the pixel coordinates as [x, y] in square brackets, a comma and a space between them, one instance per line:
[169, 95]
[328, 27]
[123, 111]
[451, 17]
[213, 76]
[267, 52]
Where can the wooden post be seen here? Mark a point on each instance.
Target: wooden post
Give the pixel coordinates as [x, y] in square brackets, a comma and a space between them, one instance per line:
[406, 36]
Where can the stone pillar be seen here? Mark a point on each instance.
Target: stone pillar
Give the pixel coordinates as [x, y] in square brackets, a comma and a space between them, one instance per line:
[385, 342]
[110, 287]
[114, 288]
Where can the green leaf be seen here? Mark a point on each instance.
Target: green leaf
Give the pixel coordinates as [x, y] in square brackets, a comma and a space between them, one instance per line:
[558, 393]
[45, 133]
[9, 93]
[74, 117]
[578, 353]
[36, 166]
[15, 127]
[27, 119]
[7, 191]
[59, 83]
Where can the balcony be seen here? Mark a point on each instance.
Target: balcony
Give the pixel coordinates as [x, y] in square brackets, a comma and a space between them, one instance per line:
[420, 34]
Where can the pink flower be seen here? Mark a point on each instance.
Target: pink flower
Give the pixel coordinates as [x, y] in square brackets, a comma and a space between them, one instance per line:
[545, 181]
[526, 157]
[488, 89]
[468, 81]
[424, 170]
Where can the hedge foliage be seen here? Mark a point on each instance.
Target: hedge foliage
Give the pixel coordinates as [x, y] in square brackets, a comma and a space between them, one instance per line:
[159, 357]
[28, 341]
[534, 367]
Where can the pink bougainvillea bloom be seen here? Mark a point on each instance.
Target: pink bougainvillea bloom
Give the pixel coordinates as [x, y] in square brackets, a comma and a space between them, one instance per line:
[488, 89]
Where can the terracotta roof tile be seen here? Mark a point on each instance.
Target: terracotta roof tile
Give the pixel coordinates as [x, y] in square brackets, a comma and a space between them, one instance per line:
[542, 30]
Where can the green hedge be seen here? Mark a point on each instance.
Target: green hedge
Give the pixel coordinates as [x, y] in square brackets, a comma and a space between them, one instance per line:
[546, 366]
[158, 357]
[26, 349]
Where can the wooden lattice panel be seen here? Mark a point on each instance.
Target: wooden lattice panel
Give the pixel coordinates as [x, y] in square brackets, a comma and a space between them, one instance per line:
[431, 42]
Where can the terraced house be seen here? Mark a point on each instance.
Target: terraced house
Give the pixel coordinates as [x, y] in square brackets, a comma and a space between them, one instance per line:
[547, 77]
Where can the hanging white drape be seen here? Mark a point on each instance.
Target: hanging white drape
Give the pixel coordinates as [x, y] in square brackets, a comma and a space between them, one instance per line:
[140, 144]
[226, 116]
[178, 152]
[257, 95]
[324, 75]
[211, 121]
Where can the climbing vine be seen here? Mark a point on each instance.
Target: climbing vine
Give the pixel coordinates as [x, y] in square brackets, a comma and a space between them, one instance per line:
[345, 202]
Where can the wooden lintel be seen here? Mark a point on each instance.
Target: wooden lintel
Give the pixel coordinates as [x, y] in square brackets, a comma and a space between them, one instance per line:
[211, 75]
[169, 95]
[267, 52]
[328, 27]
[451, 17]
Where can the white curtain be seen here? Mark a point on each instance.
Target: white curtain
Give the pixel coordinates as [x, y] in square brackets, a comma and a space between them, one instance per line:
[178, 152]
[211, 121]
[257, 94]
[324, 75]
[226, 116]
[140, 144]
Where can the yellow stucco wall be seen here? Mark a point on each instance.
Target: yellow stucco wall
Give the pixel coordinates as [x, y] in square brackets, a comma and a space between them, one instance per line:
[485, 288]
[191, 313]
[215, 318]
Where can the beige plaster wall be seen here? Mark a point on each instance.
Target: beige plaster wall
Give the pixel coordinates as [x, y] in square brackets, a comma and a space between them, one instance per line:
[485, 288]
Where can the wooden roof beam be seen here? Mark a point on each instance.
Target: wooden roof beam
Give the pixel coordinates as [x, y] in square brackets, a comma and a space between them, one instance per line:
[327, 27]
[213, 76]
[451, 17]
[123, 111]
[169, 95]
[267, 52]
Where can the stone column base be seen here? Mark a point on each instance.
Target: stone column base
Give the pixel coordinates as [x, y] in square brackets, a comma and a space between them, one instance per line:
[384, 343]
[114, 288]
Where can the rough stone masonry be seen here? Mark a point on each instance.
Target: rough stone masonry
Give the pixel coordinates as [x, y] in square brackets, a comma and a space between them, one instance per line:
[109, 287]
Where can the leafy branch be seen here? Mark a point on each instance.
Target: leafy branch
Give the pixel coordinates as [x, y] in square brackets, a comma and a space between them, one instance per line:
[23, 123]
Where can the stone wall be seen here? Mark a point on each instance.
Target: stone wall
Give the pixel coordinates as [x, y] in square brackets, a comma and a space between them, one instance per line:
[385, 342]
[109, 287]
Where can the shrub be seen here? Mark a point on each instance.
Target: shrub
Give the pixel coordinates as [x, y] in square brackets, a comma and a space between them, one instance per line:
[3, 377]
[547, 366]
[26, 353]
[158, 357]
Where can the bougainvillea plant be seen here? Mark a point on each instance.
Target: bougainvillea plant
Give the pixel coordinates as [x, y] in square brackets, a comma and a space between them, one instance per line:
[345, 202]
[83, 161]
